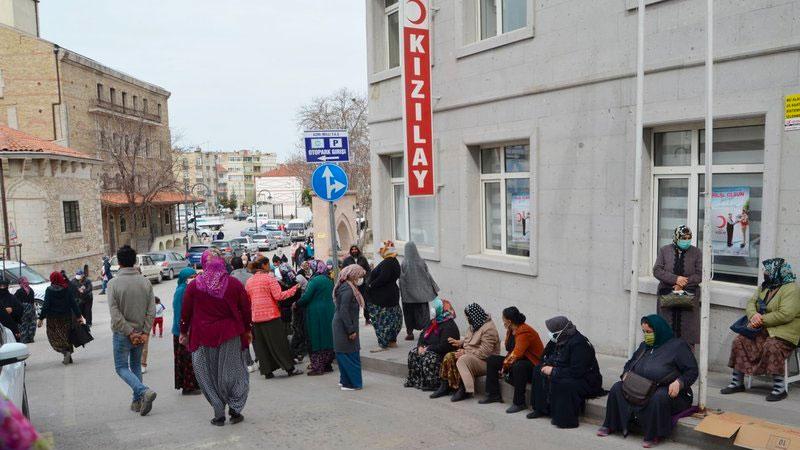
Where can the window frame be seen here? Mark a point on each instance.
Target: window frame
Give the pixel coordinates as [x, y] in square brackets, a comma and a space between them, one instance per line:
[501, 177]
[71, 225]
[428, 251]
[499, 6]
[388, 11]
[693, 172]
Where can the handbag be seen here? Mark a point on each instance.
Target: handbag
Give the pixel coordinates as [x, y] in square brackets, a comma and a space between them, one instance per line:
[637, 389]
[79, 335]
[742, 326]
[676, 300]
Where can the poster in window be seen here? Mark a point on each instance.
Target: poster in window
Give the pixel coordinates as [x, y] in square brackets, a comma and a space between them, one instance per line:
[730, 208]
[520, 218]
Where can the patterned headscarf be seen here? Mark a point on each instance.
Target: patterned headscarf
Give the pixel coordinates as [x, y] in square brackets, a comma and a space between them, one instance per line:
[214, 279]
[318, 268]
[444, 312]
[388, 250]
[476, 316]
[287, 274]
[682, 232]
[350, 275]
[777, 272]
[58, 279]
[24, 284]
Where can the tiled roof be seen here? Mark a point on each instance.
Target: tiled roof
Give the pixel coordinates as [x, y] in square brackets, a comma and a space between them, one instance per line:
[12, 140]
[162, 198]
[280, 171]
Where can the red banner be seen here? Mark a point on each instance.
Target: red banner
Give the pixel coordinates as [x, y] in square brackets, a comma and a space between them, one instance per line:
[417, 110]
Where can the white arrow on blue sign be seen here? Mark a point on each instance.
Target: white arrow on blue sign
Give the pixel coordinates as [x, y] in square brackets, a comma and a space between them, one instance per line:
[329, 182]
[323, 146]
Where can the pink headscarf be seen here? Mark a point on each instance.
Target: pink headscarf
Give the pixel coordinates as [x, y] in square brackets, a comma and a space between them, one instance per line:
[214, 279]
[25, 284]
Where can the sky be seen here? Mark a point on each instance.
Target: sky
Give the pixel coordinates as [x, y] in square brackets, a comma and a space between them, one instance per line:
[238, 70]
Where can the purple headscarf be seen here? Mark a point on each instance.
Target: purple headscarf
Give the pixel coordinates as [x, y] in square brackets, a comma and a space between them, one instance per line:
[318, 267]
[214, 279]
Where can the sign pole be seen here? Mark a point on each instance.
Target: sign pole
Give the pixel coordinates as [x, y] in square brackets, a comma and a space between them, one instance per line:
[334, 249]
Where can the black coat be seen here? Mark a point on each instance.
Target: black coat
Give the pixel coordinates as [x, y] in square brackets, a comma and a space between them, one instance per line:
[59, 302]
[575, 359]
[8, 300]
[25, 297]
[438, 342]
[383, 290]
[87, 296]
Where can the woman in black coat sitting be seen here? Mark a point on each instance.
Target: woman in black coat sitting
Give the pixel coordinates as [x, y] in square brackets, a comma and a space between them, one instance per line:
[425, 361]
[665, 360]
[566, 377]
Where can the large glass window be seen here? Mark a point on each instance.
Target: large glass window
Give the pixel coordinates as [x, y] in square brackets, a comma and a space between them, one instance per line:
[501, 16]
[679, 194]
[414, 218]
[506, 199]
[392, 16]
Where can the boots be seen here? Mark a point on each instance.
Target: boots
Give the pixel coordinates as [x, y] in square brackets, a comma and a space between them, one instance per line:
[444, 389]
[461, 394]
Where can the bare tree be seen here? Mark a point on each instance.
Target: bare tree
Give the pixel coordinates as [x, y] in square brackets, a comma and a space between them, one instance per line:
[342, 110]
[138, 165]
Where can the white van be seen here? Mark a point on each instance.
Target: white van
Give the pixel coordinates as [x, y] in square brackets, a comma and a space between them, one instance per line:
[297, 229]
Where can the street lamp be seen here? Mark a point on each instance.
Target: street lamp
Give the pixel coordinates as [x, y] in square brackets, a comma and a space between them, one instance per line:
[186, 191]
[255, 205]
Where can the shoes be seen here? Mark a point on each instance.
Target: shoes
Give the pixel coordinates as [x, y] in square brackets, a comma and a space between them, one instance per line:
[444, 389]
[345, 388]
[393, 344]
[428, 388]
[603, 432]
[409, 337]
[460, 394]
[534, 414]
[731, 390]
[251, 369]
[218, 421]
[269, 376]
[235, 417]
[515, 409]
[191, 392]
[293, 372]
[147, 401]
[136, 406]
[144, 369]
[650, 444]
[491, 399]
[328, 368]
[379, 349]
[772, 397]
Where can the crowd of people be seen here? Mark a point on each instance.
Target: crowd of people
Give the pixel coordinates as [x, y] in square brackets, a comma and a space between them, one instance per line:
[286, 312]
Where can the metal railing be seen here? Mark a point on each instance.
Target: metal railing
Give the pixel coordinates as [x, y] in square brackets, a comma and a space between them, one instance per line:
[125, 110]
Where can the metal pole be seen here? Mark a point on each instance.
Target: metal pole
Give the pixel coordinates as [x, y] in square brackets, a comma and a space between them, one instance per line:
[5, 211]
[334, 250]
[186, 203]
[633, 303]
[705, 287]
[194, 213]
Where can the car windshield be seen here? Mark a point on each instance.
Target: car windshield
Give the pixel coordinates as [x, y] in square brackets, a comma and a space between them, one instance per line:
[14, 274]
[198, 249]
[296, 226]
[158, 257]
[220, 244]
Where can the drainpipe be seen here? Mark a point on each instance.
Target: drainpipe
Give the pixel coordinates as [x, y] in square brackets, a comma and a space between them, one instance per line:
[56, 50]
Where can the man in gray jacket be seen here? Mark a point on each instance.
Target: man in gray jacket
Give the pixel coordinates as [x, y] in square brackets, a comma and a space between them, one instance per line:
[132, 305]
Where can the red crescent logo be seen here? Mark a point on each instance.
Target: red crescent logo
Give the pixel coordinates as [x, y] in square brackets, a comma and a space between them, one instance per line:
[423, 13]
[724, 222]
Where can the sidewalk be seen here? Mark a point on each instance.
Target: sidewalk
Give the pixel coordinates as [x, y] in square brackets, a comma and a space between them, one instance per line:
[393, 362]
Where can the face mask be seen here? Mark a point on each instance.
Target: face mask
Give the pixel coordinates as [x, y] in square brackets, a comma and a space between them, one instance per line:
[650, 338]
[684, 244]
[359, 282]
[554, 336]
[79, 277]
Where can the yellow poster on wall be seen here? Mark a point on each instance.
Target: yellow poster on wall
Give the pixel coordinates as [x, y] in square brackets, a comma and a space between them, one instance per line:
[792, 113]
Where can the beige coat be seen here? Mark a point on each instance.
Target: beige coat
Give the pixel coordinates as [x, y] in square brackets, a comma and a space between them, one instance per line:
[484, 342]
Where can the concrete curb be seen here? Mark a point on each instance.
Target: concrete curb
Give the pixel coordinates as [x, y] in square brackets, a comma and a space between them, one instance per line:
[595, 409]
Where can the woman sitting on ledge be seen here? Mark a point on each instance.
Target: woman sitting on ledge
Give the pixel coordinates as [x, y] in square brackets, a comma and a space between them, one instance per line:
[425, 360]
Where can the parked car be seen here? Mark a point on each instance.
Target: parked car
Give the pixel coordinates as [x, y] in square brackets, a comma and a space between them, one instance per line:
[202, 232]
[246, 242]
[265, 242]
[13, 270]
[274, 224]
[281, 238]
[250, 218]
[239, 215]
[12, 370]
[249, 231]
[297, 230]
[194, 255]
[146, 266]
[228, 248]
[170, 262]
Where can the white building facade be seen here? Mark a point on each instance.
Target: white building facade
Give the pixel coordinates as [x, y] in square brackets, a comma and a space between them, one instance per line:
[534, 137]
[279, 188]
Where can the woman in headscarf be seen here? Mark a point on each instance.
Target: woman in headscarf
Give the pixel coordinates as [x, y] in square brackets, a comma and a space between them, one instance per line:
[317, 300]
[185, 380]
[26, 297]
[774, 310]
[567, 375]
[346, 344]
[288, 280]
[679, 267]
[384, 298]
[461, 367]
[425, 360]
[60, 310]
[417, 289]
[269, 332]
[299, 342]
[215, 327]
[665, 360]
[356, 257]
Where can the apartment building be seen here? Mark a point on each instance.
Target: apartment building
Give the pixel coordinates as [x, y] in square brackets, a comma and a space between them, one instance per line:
[240, 169]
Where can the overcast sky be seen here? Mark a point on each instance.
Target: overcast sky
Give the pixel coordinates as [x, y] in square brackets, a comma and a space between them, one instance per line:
[237, 69]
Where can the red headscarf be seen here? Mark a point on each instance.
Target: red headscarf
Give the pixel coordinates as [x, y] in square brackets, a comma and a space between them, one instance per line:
[58, 280]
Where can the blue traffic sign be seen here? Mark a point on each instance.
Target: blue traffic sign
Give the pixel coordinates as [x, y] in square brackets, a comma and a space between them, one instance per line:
[326, 146]
[329, 182]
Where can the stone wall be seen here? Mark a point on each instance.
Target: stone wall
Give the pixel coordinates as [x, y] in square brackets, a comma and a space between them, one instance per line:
[345, 219]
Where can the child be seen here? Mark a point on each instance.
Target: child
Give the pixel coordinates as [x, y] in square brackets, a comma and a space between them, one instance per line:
[159, 320]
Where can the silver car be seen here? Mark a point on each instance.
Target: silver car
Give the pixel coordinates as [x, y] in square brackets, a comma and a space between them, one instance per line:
[247, 243]
[280, 237]
[171, 263]
[265, 242]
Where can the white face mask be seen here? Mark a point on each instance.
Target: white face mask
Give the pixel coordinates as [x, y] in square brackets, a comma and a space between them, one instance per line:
[359, 282]
[554, 336]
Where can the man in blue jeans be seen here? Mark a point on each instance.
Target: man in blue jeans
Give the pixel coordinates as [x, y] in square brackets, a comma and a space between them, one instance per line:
[132, 305]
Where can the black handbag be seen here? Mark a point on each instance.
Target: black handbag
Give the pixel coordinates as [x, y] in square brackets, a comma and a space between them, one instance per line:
[79, 335]
[742, 326]
[637, 389]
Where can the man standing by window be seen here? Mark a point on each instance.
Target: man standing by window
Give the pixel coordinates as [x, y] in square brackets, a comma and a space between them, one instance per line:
[132, 305]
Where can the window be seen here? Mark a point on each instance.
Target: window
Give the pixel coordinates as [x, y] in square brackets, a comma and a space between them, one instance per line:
[112, 95]
[166, 218]
[392, 14]
[99, 91]
[143, 216]
[124, 99]
[144, 105]
[679, 197]
[414, 218]
[123, 224]
[146, 147]
[135, 103]
[501, 16]
[158, 113]
[72, 217]
[506, 199]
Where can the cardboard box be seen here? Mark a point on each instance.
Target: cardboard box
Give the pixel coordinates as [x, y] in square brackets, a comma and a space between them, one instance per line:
[752, 433]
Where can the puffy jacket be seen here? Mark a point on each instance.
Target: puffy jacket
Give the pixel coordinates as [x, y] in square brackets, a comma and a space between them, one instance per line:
[782, 319]
[265, 293]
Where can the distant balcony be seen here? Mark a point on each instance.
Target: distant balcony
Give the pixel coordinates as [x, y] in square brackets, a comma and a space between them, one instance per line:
[108, 107]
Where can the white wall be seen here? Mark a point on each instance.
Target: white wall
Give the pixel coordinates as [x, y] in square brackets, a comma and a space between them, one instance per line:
[285, 193]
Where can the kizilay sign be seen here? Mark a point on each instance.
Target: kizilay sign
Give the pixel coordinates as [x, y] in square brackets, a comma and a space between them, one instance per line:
[417, 110]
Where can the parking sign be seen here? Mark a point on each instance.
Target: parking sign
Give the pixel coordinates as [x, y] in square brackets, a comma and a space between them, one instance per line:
[325, 146]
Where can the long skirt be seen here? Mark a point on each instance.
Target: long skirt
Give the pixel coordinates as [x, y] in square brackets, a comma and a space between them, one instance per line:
[272, 347]
[763, 355]
[349, 370]
[28, 325]
[222, 375]
[184, 371]
[417, 316]
[58, 333]
[321, 361]
[655, 417]
[423, 370]
[299, 343]
[563, 399]
[449, 371]
[387, 322]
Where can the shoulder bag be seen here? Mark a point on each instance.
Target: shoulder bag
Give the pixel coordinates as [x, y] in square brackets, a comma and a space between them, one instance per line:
[637, 389]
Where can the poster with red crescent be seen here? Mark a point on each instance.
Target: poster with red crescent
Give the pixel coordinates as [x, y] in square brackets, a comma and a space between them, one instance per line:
[730, 212]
